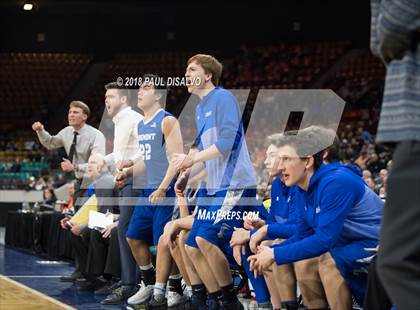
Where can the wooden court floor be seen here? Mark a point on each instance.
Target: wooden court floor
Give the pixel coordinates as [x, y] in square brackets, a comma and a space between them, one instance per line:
[14, 295]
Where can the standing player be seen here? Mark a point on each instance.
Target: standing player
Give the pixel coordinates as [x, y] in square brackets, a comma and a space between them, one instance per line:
[230, 176]
[159, 138]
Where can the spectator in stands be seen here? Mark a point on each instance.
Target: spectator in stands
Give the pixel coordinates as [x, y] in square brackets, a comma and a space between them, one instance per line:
[384, 158]
[365, 136]
[59, 181]
[79, 139]
[10, 146]
[389, 165]
[343, 148]
[382, 178]
[40, 184]
[373, 164]
[362, 160]
[382, 192]
[29, 145]
[351, 153]
[371, 183]
[68, 206]
[48, 197]
[369, 148]
[262, 191]
[31, 183]
[50, 182]
[366, 174]
[395, 39]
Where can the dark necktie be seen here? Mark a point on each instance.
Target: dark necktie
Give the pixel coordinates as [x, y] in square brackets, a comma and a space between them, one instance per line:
[73, 146]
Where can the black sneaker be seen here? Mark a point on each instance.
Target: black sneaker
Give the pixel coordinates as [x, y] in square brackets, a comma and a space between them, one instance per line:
[80, 281]
[85, 286]
[157, 304]
[236, 305]
[109, 288]
[91, 286]
[290, 305]
[71, 277]
[196, 304]
[213, 304]
[119, 296]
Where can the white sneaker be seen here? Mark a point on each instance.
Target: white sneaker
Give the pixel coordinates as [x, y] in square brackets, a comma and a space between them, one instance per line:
[175, 299]
[188, 292]
[143, 295]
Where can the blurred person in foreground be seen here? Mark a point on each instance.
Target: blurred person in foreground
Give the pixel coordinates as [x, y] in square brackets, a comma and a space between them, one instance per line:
[395, 39]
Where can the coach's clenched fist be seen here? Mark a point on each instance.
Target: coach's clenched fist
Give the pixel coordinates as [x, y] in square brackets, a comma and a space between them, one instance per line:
[37, 126]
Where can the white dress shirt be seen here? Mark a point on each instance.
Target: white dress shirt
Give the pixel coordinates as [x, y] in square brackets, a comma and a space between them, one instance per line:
[126, 138]
[89, 141]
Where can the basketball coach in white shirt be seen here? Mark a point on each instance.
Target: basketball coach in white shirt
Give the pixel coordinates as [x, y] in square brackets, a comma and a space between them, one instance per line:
[125, 149]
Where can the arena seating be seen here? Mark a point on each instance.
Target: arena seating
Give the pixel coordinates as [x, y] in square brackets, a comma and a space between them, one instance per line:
[356, 77]
[32, 84]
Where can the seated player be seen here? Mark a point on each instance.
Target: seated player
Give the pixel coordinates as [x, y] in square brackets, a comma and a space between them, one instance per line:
[178, 233]
[169, 258]
[340, 217]
[191, 203]
[160, 137]
[280, 224]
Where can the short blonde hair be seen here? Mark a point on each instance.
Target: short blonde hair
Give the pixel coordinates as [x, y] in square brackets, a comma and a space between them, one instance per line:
[210, 65]
[81, 105]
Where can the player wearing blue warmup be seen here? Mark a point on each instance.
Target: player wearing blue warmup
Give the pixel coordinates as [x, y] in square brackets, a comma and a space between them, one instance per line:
[159, 138]
[281, 225]
[339, 219]
[280, 283]
[230, 176]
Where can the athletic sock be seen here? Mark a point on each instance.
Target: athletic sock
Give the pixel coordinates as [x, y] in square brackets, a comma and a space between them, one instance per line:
[229, 294]
[175, 284]
[200, 293]
[148, 274]
[290, 305]
[216, 295]
[159, 288]
[189, 291]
